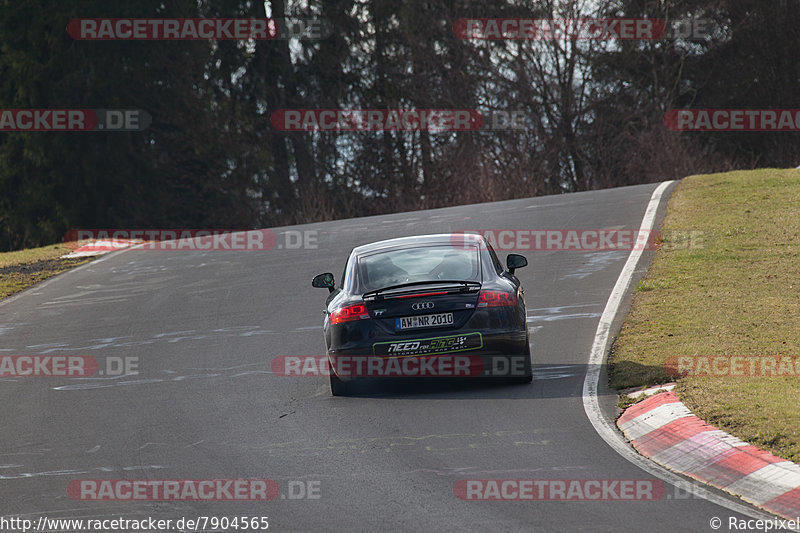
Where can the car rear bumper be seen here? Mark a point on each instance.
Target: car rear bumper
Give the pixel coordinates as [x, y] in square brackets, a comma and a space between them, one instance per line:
[504, 354]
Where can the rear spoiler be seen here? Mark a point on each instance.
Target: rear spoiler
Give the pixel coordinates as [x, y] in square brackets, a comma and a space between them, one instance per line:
[414, 288]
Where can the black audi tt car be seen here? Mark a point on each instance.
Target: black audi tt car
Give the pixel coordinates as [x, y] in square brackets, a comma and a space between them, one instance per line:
[430, 305]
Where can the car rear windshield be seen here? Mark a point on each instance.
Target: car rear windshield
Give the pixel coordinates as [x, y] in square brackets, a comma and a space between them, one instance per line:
[409, 265]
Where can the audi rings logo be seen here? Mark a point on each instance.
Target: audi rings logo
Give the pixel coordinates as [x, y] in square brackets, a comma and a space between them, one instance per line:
[421, 306]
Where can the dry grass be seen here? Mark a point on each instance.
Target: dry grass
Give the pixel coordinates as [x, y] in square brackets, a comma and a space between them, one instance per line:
[23, 268]
[735, 295]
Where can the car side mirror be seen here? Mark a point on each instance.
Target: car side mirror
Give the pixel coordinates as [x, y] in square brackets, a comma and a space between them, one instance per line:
[515, 261]
[323, 281]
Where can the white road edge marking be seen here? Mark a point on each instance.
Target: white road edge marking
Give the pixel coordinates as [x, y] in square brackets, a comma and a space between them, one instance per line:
[591, 404]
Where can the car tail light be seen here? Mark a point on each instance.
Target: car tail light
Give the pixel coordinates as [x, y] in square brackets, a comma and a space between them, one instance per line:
[349, 313]
[497, 299]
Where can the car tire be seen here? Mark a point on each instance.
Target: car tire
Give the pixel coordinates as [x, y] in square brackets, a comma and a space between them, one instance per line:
[521, 380]
[527, 378]
[339, 387]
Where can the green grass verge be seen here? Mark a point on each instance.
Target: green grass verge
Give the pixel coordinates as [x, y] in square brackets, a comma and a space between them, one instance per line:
[735, 294]
[21, 269]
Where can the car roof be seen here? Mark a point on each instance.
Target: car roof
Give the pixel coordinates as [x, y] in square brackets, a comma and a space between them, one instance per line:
[421, 240]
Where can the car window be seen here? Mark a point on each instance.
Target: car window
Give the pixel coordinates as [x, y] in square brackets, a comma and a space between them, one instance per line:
[497, 264]
[427, 263]
[344, 273]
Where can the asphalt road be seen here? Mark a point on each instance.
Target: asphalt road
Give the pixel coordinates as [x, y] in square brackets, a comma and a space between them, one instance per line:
[204, 326]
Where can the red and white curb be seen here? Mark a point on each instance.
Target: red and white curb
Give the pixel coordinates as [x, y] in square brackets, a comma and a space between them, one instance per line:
[664, 430]
[100, 247]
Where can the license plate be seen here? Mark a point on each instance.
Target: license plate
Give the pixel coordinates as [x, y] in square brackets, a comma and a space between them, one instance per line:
[423, 321]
